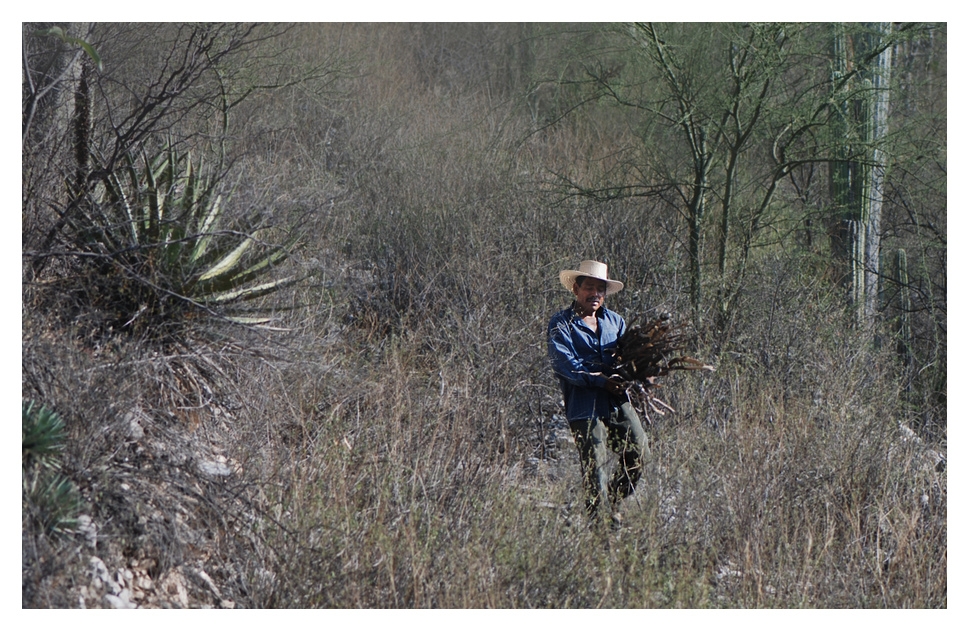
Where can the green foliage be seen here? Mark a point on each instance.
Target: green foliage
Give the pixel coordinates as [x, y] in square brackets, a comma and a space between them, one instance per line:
[159, 222]
[43, 435]
[50, 499]
[61, 34]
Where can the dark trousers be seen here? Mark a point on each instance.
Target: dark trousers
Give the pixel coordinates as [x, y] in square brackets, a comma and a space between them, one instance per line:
[623, 433]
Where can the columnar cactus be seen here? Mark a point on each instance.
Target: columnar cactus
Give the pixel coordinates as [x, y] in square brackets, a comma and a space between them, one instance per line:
[857, 173]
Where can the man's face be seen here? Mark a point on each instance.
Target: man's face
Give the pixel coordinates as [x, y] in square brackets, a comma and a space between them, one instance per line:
[589, 295]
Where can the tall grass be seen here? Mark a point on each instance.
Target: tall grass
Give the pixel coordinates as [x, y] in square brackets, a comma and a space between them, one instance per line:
[402, 444]
[413, 489]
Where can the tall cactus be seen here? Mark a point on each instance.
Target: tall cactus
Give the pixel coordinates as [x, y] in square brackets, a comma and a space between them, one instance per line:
[841, 228]
[81, 129]
[857, 173]
[877, 120]
[857, 278]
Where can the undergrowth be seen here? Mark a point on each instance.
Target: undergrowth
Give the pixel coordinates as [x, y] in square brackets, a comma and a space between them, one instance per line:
[396, 438]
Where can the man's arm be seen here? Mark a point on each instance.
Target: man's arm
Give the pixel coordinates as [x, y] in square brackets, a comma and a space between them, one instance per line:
[566, 362]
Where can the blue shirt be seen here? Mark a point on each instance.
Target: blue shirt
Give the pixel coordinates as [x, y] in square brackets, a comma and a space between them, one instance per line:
[576, 351]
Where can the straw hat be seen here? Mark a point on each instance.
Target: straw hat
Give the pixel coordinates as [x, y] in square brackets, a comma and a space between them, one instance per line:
[592, 269]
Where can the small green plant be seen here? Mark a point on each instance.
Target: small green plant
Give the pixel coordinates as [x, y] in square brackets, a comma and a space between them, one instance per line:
[155, 228]
[49, 498]
[43, 435]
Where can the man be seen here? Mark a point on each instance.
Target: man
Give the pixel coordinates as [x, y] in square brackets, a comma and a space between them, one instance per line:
[581, 345]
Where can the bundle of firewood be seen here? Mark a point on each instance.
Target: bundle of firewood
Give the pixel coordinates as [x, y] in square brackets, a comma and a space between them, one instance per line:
[648, 351]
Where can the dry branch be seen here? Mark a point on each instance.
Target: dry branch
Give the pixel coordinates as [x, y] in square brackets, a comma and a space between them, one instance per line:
[648, 351]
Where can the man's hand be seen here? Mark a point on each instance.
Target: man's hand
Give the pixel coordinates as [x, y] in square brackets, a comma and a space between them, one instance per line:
[615, 386]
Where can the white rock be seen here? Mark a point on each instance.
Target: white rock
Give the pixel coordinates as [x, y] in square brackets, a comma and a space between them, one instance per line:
[144, 581]
[173, 586]
[87, 527]
[117, 602]
[99, 569]
[210, 467]
[135, 430]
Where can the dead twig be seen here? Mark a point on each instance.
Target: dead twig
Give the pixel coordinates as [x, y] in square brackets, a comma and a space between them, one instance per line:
[647, 352]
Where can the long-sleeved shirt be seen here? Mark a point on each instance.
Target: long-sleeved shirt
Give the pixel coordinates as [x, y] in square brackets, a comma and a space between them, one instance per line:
[576, 351]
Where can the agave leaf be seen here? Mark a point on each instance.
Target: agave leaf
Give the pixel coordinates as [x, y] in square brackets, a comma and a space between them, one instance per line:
[276, 255]
[201, 205]
[180, 216]
[137, 208]
[205, 194]
[198, 193]
[120, 200]
[251, 320]
[205, 238]
[120, 226]
[208, 221]
[167, 180]
[52, 500]
[43, 433]
[153, 215]
[190, 194]
[229, 261]
[261, 266]
[248, 293]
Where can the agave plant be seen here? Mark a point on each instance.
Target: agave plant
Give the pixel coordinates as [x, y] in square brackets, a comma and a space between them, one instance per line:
[43, 434]
[159, 221]
[49, 498]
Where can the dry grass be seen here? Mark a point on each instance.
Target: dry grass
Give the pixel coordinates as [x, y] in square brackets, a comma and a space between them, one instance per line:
[402, 445]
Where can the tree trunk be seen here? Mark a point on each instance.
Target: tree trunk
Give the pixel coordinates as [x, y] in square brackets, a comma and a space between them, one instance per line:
[697, 209]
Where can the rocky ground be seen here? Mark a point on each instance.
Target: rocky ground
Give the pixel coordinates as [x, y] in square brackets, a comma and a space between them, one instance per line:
[169, 519]
[158, 525]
